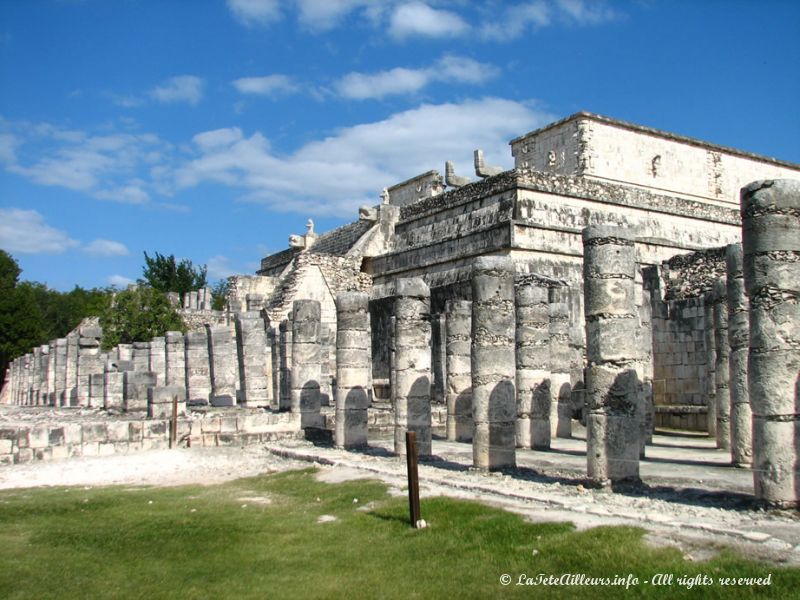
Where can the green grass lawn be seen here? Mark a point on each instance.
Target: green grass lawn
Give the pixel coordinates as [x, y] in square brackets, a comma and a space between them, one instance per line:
[260, 538]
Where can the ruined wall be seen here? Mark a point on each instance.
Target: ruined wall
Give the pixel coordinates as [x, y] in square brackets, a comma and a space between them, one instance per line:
[242, 285]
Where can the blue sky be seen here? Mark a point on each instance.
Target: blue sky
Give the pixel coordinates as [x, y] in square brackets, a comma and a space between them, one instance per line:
[212, 129]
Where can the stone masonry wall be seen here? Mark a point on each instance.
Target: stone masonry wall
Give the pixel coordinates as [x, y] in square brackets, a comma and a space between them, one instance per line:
[62, 435]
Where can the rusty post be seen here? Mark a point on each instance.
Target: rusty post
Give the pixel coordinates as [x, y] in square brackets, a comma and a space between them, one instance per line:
[413, 478]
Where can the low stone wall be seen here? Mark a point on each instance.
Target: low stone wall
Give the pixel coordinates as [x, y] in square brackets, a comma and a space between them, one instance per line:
[380, 418]
[686, 417]
[52, 435]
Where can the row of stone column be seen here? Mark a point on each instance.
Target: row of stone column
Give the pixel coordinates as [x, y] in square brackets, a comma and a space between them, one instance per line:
[542, 378]
[753, 343]
[71, 371]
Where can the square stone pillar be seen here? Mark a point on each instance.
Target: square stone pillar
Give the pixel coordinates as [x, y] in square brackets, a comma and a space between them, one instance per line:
[157, 359]
[89, 362]
[222, 355]
[114, 383]
[141, 356]
[36, 375]
[198, 368]
[353, 367]
[306, 369]
[175, 358]
[252, 354]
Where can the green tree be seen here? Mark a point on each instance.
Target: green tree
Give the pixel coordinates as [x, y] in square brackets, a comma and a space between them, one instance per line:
[166, 274]
[64, 311]
[137, 315]
[9, 271]
[21, 321]
[219, 294]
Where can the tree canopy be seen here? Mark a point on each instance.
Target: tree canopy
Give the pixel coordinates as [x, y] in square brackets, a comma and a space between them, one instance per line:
[31, 314]
[138, 314]
[166, 274]
[219, 294]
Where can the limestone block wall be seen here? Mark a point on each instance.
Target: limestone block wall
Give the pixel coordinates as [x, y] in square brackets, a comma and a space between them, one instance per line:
[242, 285]
[679, 352]
[64, 436]
[597, 147]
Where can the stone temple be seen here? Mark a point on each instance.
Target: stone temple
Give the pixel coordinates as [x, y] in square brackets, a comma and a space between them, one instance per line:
[618, 276]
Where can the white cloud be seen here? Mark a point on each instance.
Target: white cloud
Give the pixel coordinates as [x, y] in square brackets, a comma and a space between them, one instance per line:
[408, 81]
[418, 19]
[100, 247]
[219, 267]
[182, 88]
[255, 12]
[8, 144]
[217, 137]
[517, 19]
[112, 166]
[383, 83]
[268, 85]
[322, 15]
[587, 12]
[26, 232]
[120, 281]
[339, 173]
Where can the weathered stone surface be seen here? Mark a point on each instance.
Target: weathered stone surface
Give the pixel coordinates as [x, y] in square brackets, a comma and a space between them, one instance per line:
[285, 365]
[198, 370]
[353, 368]
[158, 359]
[709, 383]
[222, 357]
[175, 358]
[494, 397]
[771, 240]
[458, 386]
[255, 359]
[738, 340]
[614, 389]
[412, 365]
[560, 376]
[721, 370]
[306, 372]
[775, 465]
[136, 384]
[160, 401]
[612, 447]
